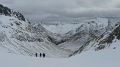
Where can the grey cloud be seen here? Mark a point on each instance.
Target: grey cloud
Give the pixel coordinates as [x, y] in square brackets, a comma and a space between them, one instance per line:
[93, 3]
[68, 8]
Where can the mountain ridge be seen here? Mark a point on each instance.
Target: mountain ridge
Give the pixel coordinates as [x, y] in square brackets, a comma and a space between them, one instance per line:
[19, 36]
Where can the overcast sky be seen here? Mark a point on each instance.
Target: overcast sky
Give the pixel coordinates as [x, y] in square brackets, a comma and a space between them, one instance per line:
[68, 8]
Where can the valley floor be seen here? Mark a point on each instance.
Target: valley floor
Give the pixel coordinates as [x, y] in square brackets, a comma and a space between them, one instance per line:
[105, 58]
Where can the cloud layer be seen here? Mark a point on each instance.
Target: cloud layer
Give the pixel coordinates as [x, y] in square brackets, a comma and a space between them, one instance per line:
[68, 8]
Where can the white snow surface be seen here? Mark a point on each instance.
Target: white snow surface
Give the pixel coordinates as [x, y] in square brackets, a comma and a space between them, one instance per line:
[105, 58]
[13, 45]
[108, 57]
[62, 28]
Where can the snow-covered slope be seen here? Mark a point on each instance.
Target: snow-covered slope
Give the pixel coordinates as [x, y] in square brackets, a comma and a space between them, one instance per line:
[92, 34]
[8, 12]
[21, 37]
[61, 28]
[87, 35]
[104, 58]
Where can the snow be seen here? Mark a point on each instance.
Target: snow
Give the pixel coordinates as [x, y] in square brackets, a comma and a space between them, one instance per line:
[62, 28]
[101, 21]
[105, 58]
[13, 45]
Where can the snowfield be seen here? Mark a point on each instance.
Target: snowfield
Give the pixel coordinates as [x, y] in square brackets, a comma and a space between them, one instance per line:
[105, 58]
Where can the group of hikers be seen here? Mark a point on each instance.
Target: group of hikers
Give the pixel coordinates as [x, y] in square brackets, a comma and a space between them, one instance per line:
[40, 55]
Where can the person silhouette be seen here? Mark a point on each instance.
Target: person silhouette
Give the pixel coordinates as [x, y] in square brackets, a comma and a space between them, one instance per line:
[43, 55]
[36, 54]
[40, 54]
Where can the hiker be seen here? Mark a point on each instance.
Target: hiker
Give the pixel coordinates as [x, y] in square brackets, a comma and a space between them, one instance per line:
[43, 55]
[36, 54]
[40, 54]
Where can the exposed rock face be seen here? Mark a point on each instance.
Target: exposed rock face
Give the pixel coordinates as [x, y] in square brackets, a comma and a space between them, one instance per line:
[8, 12]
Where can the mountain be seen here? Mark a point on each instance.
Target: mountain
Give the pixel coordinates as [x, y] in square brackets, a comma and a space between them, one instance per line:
[19, 36]
[95, 34]
[8, 12]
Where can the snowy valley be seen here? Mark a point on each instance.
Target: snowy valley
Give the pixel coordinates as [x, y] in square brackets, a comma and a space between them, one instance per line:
[62, 40]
